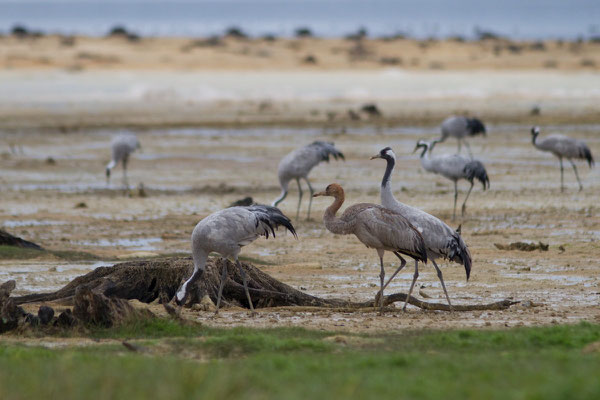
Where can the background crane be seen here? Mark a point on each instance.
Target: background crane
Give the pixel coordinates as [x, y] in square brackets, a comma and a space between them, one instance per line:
[460, 127]
[563, 146]
[122, 146]
[454, 167]
[298, 164]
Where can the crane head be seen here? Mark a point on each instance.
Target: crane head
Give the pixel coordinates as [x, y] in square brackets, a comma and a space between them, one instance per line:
[386, 153]
[334, 190]
[535, 130]
[422, 144]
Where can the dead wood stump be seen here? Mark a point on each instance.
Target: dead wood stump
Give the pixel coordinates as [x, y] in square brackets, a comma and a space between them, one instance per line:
[97, 309]
[148, 280]
[7, 239]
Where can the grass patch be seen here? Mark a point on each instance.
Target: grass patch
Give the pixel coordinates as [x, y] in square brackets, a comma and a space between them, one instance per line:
[295, 363]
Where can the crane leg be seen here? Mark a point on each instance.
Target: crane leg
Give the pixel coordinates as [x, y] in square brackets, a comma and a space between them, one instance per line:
[455, 197]
[469, 149]
[459, 145]
[299, 198]
[441, 278]
[402, 264]
[381, 279]
[245, 280]
[221, 284]
[412, 285]
[464, 206]
[562, 185]
[576, 174]
[310, 188]
[125, 182]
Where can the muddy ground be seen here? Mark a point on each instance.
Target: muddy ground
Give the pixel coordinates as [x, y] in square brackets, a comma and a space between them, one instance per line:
[188, 173]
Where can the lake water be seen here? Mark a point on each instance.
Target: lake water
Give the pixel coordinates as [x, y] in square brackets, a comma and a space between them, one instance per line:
[532, 19]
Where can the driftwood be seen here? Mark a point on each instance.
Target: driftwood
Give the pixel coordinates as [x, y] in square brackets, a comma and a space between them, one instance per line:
[149, 280]
[6, 239]
[97, 309]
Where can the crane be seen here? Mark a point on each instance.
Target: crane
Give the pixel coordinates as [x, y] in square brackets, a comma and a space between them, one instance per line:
[563, 146]
[122, 146]
[441, 241]
[376, 227]
[460, 127]
[298, 164]
[226, 232]
[454, 167]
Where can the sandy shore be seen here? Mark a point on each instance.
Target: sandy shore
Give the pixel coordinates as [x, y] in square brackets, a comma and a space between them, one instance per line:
[227, 53]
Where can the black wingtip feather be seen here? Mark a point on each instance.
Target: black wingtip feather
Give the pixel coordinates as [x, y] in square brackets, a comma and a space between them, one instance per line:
[476, 170]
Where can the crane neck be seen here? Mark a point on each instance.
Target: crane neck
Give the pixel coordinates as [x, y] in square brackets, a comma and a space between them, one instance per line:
[533, 139]
[388, 171]
[332, 223]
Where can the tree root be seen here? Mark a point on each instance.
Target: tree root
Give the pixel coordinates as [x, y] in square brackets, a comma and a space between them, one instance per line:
[148, 280]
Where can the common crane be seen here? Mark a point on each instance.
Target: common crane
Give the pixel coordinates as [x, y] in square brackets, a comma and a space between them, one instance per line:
[376, 227]
[454, 167]
[298, 164]
[563, 146]
[122, 146]
[226, 232]
[441, 241]
[460, 127]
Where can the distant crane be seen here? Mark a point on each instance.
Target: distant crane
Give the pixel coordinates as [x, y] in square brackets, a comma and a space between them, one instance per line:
[441, 241]
[454, 167]
[122, 146]
[226, 232]
[376, 227]
[298, 164]
[563, 146]
[460, 127]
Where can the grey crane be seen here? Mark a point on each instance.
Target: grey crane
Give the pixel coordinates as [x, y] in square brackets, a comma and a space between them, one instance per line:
[563, 146]
[122, 146]
[454, 167]
[460, 127]
[376, 227]
[226, 232]
[441, 241]
[298, 164]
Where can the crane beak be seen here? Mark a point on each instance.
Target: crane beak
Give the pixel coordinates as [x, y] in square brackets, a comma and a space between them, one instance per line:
[416, 148]
[375, 156]
[319, 194]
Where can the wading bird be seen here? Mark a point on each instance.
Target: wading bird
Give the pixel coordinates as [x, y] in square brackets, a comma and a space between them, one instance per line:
[298, 164]
[563, 146]
[376, 227]
[454, 167]
[441, 241]
[122, 146]
[226, 232]
[460, 127]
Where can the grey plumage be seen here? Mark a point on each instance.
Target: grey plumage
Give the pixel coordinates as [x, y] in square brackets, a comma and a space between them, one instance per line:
[122, 146]
[226, 232]
[460, 127]
[298, 164]
[376, 227]
[441, 241]
[563, 146]
[455, 168]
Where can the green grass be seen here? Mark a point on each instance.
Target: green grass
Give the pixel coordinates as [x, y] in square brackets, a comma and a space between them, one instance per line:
[194, 361]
